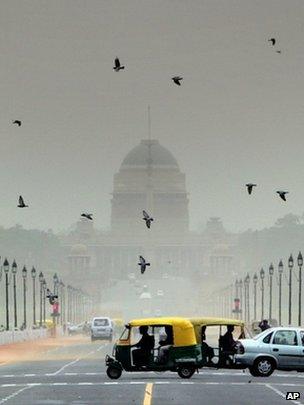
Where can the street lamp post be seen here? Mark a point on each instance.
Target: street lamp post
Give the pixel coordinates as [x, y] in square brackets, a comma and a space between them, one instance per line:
[247, 279]
[280, 268]
[41, 279]
[24, 274]
[241, 294]
[271, 271]
[255, 280]
[56, 281]
[44, 298]
[300, 264]
[262, 276]
[6, 271]
[290, 265]
[14, 271]
[33, 273]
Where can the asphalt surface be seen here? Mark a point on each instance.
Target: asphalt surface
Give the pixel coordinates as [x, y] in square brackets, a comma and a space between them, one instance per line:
[76, 374]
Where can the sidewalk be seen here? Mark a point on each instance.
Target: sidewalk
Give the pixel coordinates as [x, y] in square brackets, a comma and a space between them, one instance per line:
[32, 350]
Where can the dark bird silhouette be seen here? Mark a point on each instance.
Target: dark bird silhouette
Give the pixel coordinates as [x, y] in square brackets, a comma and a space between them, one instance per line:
[273, 41]
[282, 194]
[21, 203]
[17, 122]
[177, 80]
[117, 66]
[279, 51]
[87, 216]
[147, 219]
[250, 187]
[143, 264]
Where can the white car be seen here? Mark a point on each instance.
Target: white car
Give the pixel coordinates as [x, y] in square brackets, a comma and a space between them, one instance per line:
[102, 328]
[279, 348]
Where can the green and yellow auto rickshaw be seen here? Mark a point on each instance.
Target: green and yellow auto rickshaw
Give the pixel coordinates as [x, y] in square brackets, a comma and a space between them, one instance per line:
[218, 340]
[156, 344]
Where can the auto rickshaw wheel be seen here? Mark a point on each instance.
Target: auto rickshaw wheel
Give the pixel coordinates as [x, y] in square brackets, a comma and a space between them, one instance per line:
[186, 372]
[113, 372]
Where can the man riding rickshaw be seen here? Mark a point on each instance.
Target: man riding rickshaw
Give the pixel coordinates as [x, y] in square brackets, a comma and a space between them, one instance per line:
[156, 344]
[218, 339]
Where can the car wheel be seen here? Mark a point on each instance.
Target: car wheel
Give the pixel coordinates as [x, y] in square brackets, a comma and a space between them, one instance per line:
[263, 367]
[114, 372]
[186, 372]
[253, 372]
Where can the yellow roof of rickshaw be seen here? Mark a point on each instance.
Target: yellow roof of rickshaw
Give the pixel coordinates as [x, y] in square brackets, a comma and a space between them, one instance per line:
[216, 321]
[183, 329]
[182, 323]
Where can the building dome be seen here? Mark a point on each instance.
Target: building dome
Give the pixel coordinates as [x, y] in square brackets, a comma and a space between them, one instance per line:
[149, 152]
[79, 250]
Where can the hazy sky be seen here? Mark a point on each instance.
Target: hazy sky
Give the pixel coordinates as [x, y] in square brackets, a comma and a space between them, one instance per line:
[237, 117]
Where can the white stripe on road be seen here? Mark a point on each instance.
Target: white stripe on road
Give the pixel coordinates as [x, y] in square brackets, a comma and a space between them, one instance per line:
[65, 366]
[281, 394]
[14, 394]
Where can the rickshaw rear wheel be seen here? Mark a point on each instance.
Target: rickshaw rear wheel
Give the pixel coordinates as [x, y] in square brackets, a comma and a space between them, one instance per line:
[114, 372]
[186, 372]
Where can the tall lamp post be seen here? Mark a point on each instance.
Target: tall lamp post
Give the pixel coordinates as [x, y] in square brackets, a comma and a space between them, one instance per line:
[262, 276]
[56, 281]
[24, 274]
[14, 271]
[44, 298]
[241, 295]
[246, 282]
[290, 265]
[6, 271]
[41, 279]
[271, 271]
[300, 264]
[280, 268]
[33, 273]
[255, 280]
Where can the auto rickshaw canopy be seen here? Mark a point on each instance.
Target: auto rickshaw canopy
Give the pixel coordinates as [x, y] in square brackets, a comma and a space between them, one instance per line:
[210, 321]
[183, 330]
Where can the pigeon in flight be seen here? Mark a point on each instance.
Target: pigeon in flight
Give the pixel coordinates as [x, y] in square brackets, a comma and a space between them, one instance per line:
[117, 66]
[250, 187]
[21, 203]
[273, 41]
[282, 194]
[87, 216]
[177, 80]
[147, 219]
[17, 122]
[279, 51]
[143, 264]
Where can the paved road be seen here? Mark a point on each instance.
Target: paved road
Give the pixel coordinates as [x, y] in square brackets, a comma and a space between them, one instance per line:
[76, 375]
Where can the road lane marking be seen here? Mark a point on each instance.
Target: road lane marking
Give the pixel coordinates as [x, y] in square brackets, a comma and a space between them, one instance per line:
[14, 394]
[65, 366]
[281, 394]
[148, 394]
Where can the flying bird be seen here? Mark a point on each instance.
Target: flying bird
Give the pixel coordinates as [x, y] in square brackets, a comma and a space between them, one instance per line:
[282, 194]
[177, 80]
[273, 41]
[21, 203]
[147, 219]
[117, 66]
[87, 216]
[250, 187]
[143, 264]
[17, 122]
[278, 51]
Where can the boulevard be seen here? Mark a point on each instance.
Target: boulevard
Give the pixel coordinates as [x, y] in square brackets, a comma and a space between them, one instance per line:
[75, 374]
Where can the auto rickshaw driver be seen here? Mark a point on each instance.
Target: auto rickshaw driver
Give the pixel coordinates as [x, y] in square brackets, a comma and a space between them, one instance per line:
[145, 346]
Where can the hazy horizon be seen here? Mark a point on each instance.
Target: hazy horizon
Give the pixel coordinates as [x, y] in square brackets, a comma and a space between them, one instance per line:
[237, 117]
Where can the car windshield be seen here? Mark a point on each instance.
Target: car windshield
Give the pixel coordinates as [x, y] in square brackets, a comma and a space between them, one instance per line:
[101, 322]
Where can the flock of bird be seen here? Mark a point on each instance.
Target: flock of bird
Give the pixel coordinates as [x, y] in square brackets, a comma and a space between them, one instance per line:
[146, 217]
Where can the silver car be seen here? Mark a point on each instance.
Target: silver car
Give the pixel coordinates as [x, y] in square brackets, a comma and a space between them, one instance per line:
[279, 348]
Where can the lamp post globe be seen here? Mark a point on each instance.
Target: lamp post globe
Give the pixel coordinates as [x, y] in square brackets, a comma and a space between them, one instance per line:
[14, 267]
[280, 267]
[6, 266]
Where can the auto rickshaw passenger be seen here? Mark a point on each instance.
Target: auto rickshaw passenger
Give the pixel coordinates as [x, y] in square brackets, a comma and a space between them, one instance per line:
[205, 347]
[145, 345]
[165, 344]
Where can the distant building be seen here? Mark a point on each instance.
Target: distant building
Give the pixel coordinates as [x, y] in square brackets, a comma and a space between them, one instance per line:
[149, 179]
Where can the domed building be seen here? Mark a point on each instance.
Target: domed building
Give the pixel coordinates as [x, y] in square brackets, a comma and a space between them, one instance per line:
[149, 179]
